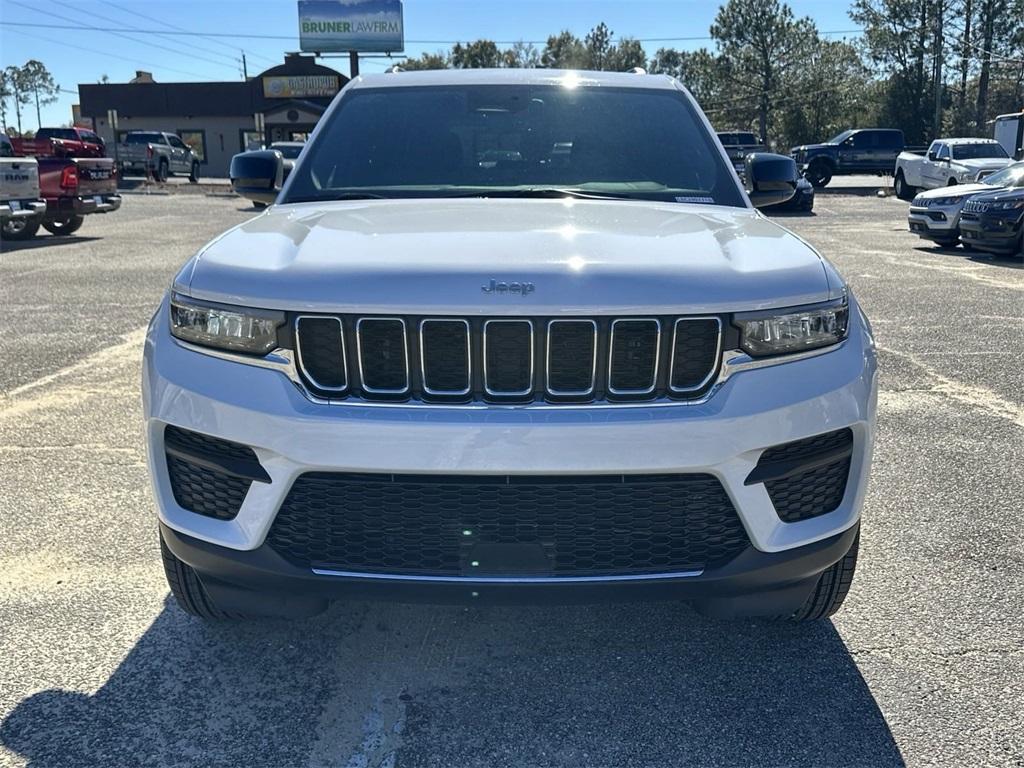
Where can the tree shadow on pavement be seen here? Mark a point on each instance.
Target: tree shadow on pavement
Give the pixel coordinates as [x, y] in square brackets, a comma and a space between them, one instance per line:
[44, 241]
[610, 685]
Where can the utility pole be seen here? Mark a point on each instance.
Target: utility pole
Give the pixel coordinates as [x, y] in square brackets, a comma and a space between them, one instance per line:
[937, 74]
[353, 64]
[245, 69]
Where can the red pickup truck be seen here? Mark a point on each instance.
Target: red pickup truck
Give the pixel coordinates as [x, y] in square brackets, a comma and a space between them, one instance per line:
[61, 142]
[73, 187]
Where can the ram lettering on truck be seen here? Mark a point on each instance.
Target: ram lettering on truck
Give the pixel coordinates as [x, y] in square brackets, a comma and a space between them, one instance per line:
[672, 396]
[948, 162]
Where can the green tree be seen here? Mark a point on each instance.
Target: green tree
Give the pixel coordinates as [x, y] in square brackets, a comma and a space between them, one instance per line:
[699, 71]
[521, 56]
[478, 54]
[5, 93]
[598, 47]
[40, 84]
[20, 95]
[761, 43]
[626, 55]
[437, 60]
[563, 51]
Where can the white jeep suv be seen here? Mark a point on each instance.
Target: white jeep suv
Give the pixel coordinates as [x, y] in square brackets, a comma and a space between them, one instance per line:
[511, 335]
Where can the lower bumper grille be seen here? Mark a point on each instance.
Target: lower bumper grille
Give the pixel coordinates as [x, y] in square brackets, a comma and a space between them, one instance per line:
[210, 476]
[806, 478]
[467, 526]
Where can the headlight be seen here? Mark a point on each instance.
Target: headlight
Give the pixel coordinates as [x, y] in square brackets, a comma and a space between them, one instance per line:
[1006, 205]
[238, 329]
[946, 200]
[780, 332]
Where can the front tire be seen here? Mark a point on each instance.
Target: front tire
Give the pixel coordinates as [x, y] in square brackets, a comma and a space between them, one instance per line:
[819, 174]
[831, 590]
[19, 229]
[194, 175]
[161, 172]
[903, 190]
[188, 590]
[66, 227]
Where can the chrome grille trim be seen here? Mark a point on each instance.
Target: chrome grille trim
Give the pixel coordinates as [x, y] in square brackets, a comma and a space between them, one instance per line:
[405, 355]
[501, 393]
[341, 341]
[657, 358]
[547, 363]
[469, 358]
[717, 356]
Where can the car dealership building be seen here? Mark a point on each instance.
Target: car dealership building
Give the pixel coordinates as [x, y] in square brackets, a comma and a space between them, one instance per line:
[217, 119]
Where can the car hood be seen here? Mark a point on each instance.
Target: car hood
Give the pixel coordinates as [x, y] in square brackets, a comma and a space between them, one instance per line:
[1000, 195]
[807, 147]
[954, 191]
[437, 256]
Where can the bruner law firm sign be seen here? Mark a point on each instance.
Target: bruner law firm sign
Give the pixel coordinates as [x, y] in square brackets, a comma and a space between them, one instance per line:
[367, 26]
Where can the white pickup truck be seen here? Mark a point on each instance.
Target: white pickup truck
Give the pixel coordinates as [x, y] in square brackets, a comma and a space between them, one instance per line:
[948, 162]
[20, 202]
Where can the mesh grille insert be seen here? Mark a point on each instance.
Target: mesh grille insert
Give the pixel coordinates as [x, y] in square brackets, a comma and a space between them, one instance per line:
[634, 356]
[695, 347]
[383, 356]
[322, 351]
[564, 526]
[572, 349]
[445, 355]
[508, 357]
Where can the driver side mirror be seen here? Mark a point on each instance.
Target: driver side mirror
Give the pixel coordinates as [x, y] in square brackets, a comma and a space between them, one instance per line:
[258, 175]
[770, 179]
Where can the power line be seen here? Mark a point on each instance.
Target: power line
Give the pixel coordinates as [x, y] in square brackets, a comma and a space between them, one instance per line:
[182, 29]
[131, 38]
[134, 61]
[293, 38]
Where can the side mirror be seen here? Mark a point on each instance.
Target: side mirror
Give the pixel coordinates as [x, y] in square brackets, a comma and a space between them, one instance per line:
[932, 156]
[257, 175]
[770, 179]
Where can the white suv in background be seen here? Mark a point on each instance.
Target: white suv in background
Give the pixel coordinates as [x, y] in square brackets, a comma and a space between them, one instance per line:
[511, 335]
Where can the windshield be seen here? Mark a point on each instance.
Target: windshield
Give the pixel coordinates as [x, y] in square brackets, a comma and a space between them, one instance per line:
[56, 133]
[490, 140]
[977, 151]
[143, 138]
[840, 138]
[1012, 176]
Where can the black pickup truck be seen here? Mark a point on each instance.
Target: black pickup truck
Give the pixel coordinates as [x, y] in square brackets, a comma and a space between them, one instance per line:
[739, 144]
[866, 150]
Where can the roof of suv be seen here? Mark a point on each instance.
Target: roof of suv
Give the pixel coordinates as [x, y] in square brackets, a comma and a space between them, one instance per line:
[957, 142]
[571, 77]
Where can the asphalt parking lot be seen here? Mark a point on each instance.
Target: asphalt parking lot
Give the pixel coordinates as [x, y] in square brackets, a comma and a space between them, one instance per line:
[99, 668]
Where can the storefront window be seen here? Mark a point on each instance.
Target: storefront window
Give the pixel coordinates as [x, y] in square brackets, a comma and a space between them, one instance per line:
[196, 141]
[249, 140]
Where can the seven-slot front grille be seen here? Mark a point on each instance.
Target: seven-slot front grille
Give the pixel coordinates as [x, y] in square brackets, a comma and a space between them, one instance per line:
[467, 525]
[514, 360]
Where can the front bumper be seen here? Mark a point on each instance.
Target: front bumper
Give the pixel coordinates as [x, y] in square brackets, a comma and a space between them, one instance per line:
[997, 234]
[941, 224]
[723, 436]
[21, 209]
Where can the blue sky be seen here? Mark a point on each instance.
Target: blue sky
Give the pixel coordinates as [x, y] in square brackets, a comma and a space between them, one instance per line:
[99, 52]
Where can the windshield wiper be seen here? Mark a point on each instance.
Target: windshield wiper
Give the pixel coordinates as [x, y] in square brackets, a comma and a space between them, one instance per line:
[542, 192]
[337, 196]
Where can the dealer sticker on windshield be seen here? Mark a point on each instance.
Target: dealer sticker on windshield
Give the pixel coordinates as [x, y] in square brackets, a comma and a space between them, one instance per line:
[695, 200]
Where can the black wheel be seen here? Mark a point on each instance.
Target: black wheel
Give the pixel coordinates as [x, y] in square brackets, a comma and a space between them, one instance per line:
[259, 205]
[19, 229]
[161, 172]
[903, 190]
[188, 591]
[194, 175]
[819, 174]
[831, 590]
[65, 227]
[952, 183]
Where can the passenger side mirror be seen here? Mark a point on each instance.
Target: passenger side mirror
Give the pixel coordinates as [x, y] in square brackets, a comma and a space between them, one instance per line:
[258, 175]
[770, 179]
[932, 156]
